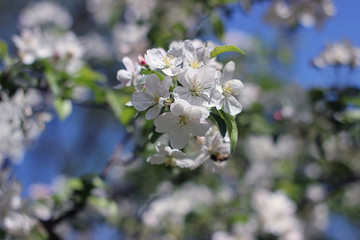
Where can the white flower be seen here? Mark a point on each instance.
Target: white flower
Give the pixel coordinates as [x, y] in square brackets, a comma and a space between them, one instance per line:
[195, 56]
[199, 87]
[168, 62]
[276, 212]
[183, 119]
[213, 153]
[156, 92]
[231, 88]
[45, 13]
[171, 157]
[130, 75]
[31, 46]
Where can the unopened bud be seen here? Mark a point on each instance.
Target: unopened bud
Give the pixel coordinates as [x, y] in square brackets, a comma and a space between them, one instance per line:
[141, 61]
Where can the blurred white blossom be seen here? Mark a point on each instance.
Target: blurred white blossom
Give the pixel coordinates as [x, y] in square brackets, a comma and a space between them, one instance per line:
[45, 13]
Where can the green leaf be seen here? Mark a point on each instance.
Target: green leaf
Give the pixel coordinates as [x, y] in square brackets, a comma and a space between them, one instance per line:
[117, 103]
[87, 75]
[219, 122]
[149, 72]
[52, 81]
[223, 49]
[231, 127]
[63, 107]
[3, 49]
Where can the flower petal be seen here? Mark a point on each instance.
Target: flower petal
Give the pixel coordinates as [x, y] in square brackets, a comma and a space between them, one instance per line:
[179, 136]
[165, 122]
[152, 84]
[228, 72]
[129, 65]
[232, 105]
[157, 159]
[236, 86]
[123, 75]
[141, 101]
[153, 112]
[184, 163]
[199, 127]
[179, 107]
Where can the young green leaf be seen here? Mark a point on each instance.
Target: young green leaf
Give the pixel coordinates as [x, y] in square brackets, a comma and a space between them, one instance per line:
[223, 49]
[149, 72]
[63, 107]
[231, 127]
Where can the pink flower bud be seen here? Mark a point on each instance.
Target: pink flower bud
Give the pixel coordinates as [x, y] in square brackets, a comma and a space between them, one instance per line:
[141, 60]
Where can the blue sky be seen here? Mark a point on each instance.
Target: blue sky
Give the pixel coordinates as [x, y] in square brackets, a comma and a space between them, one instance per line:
[344, 25]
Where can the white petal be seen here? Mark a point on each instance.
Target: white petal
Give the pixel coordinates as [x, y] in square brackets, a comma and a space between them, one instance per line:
[182, 93]
[154, 57]
[179, 136]
[207, 76]
[153, 112]
[129, 65]
[228, 72]
[177, 154]
[232, 105]
[184, 163]
[179, 107]
[188, 77]
[199, 127]
[165, 85]
[198, 112]
[141, 101]
[173, 71]
[165, 122]
[236, 86]
[152, 84]
[162, 148]
[201, 158]
[123, 75]
[157, 159]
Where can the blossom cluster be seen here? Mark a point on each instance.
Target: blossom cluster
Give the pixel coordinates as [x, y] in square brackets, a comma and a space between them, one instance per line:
[179, 88]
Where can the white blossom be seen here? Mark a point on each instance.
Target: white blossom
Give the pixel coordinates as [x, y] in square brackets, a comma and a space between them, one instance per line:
[32, 46]
[231, 88]
[183, 119]
[199, 87]
[214, 152]
[129, 76]
[44, 13]
[277, 213]
[170, 157]
[168, 62]
[156, 93]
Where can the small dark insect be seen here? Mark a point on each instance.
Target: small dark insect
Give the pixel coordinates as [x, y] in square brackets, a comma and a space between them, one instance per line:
[217, 157]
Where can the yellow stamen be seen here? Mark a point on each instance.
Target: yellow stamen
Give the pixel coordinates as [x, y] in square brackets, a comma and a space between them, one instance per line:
[195, 64]
[167, 60]
[196, 89]
[170, 162]
[227, 89]
[184, 120]
[156, 97]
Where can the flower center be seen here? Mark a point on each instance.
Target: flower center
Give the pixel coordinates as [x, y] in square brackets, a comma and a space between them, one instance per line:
[196, 89]
[170, 162]
[195, 64]
[156, 97]
[184, 120]
[167, 61]
[227, 89]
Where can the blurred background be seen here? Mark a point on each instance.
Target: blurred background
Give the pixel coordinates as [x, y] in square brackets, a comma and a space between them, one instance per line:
[296, 170]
